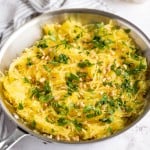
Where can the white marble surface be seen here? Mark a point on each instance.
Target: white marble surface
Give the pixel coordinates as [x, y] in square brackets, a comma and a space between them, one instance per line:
[137, 137]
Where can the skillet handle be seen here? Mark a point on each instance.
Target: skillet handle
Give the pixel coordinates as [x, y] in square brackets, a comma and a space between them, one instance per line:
[12, 139]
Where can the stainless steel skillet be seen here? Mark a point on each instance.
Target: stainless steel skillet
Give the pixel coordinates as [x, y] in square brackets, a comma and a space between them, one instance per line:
[31, 32]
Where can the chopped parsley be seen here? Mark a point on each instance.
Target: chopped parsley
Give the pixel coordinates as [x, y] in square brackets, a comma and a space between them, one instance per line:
[117, 70]
[137, 69]
[43, 93]
[46, 68]
[60, 108]
[42, 44]
[20, 106]
[106, 120]
[85, 63]
[91, 111]
[62, 121]
[29, 62]
[78, 125]
[33, 124]
[98, 42]
[126, 86]
[26, 80]
[82, 75]
[39, 55]
[127, 30]
[52, 37]
[102, 101]
[62, 58]
[72, 81]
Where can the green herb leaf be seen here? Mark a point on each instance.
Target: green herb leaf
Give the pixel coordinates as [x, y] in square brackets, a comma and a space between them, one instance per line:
[45, 98]
[116, 70]
[39, 55]
[60, 109]
[78, 125]
[82, 75]
[26, 80]
[106, 120]
[127, 30]
[42, 44]
[62, 121]
[46, 87]
[29, 62]
[46, 68]
[87, 109]
[52, 37]
[33, 124]
[85, 63]
[35, 92]
[20, 106]
[91, 111]
[104, 99]
[62, 58]
[72, 82]
[98, 42]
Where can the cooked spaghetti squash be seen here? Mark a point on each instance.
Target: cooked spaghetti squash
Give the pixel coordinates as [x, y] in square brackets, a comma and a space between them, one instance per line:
[78, 82]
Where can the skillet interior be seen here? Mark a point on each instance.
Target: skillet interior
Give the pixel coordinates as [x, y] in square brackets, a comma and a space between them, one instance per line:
[32, 32]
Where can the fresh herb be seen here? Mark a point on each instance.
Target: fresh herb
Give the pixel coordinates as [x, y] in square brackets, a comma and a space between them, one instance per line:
[82, 75]
[60, 108]
[62, 121]
[72, 81]
[46, 68]
[42, 44]
[102, 101]
[119, 102]
[29, 62]
[78, 36]
[128, 108]
[87, 109]
[116, 70]
[137, 69]
[98, 42]
[135, 56]
[52, 37]
[108, 83]
[110, 130]
[33, 124]
[35, 92]
[85, 63]
[99, 25]
[62, 58]
[26, 80]
[46, 87]
[111, 110]
[47, 119]
[39, 55]
[106, 120]
[111, 102]
[46, 98]
[91, 111]
[135, 86]
[43, 93]
[126, 86]
[78, 125]
[65, 43]
[90, 90]
[20, 106]
[95, 113]
[100, 63]
[127, 30]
